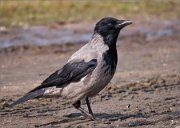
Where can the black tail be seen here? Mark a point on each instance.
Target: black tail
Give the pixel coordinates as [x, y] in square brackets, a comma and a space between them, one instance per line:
[28, 96]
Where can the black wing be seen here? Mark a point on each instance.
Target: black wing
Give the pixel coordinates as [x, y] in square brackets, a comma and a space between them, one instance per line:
[71, 72]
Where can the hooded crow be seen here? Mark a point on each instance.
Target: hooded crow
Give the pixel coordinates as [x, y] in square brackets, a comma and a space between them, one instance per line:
[87, 71]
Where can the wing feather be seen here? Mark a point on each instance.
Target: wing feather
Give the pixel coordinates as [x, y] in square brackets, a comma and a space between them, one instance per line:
[71, 72]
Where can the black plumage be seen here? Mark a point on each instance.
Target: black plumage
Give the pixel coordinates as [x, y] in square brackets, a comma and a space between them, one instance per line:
[71, 72]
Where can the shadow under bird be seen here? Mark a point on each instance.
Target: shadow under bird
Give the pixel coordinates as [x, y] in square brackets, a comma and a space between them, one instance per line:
[87, 71]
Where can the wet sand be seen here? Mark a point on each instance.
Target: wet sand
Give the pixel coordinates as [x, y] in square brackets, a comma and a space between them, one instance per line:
[143, 93]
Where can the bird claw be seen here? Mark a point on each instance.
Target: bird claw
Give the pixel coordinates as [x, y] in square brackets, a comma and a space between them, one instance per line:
[93, 118]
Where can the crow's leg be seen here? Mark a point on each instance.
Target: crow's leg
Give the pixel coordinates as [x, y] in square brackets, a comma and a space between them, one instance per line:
[89, 107]
[77, 105]
[91, 112]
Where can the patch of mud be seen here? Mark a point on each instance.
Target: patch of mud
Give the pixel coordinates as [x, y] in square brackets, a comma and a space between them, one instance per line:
[42, 38]
[157, 104]
[34, 49]
[143, 93]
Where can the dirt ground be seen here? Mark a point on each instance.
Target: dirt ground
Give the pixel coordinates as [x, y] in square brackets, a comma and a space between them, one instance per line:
[144, 93]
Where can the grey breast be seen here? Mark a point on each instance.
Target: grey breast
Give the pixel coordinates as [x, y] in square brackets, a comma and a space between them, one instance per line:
[91, 84]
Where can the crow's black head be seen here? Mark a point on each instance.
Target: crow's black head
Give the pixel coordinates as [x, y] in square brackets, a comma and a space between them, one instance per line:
[109, 29]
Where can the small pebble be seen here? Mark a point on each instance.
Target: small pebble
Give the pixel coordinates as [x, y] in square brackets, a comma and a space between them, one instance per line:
[128, 106]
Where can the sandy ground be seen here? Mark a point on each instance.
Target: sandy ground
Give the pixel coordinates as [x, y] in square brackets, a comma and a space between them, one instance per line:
[145, 91]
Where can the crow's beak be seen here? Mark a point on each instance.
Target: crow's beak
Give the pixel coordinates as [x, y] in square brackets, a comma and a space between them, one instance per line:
[123, 23]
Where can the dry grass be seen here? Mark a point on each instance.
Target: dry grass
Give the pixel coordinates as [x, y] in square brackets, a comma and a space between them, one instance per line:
[18, 12]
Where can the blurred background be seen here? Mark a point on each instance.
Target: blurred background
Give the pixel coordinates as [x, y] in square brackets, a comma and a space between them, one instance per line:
[38, 36]
[26, 12]
[30, 22]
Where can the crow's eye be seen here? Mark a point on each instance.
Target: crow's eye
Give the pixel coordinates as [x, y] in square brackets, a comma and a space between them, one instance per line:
[110, 26]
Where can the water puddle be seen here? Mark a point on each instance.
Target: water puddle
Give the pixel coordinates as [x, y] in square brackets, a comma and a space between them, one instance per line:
[41, 36]
[45, 35]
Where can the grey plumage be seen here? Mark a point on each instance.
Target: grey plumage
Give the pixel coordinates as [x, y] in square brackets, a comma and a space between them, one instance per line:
[88, 70]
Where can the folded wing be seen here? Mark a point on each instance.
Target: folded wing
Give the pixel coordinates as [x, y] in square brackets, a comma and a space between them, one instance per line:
[73, 71]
